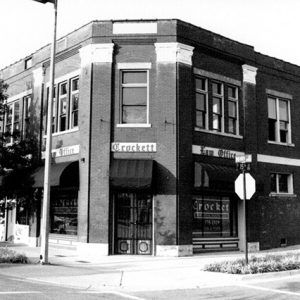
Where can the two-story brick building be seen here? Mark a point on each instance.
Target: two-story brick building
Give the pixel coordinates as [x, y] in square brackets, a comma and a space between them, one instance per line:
[148, 117]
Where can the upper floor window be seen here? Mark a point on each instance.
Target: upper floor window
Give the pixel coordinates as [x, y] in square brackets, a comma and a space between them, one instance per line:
[134, 97]
[281, 183]
[65, 104]
[26, 116]
[279, 120]
[216, 106]
[12, 122]
[28, 63]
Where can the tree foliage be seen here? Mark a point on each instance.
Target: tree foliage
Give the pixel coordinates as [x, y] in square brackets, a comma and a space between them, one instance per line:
[17, 159]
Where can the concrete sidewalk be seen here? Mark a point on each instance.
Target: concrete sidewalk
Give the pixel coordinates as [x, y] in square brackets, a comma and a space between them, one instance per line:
[132, 273]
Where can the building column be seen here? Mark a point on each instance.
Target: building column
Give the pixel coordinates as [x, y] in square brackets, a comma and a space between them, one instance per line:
[250, 139]
[95, 120]
[174, 62]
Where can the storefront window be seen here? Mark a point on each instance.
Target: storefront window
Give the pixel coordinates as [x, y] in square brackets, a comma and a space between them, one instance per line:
[214, 216]
[64, 212]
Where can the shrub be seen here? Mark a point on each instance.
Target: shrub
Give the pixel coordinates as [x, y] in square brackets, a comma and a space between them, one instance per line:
[258, 264]
[9, 256]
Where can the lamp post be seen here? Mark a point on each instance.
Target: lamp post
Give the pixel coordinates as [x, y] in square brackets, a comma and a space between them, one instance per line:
[48, 156]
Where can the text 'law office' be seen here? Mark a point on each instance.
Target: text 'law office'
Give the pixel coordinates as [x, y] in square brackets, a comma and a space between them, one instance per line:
[148, 118]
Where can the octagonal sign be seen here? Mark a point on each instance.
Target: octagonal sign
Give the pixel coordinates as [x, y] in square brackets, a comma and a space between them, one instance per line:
[250, 186]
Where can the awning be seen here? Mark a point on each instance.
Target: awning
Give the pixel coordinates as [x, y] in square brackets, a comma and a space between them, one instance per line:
[131, 174]
[215, 173]
[56, 171]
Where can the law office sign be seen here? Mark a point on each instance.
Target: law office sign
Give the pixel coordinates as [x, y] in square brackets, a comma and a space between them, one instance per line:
[133, 147]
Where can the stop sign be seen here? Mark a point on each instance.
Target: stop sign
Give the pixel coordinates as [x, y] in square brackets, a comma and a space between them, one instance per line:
[239, 186]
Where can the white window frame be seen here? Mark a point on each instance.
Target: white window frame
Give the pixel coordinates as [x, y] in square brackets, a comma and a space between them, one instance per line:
[277, 125]
[59, 111]
[131, 67]
[236, 100]
[203, 92]
[12, 104]
[290, 184]
[71, 126]
[219, 96]
[26, 99]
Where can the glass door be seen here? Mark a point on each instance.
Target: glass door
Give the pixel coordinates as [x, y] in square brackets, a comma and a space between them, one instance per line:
[133, 223]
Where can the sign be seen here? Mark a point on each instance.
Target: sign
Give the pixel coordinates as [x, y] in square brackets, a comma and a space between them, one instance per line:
[250, 186]
[21, 234]
[64, 151]
[216, 152]
[133, 147]
[243, 159]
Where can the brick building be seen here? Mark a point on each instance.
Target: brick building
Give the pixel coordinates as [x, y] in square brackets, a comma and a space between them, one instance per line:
[148, 118]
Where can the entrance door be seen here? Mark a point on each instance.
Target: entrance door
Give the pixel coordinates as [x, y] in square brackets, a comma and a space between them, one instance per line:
[133, 223]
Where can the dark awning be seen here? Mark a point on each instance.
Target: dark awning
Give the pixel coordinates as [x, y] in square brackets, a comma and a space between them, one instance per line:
[214, 173]
[56, 171]
[131, 174]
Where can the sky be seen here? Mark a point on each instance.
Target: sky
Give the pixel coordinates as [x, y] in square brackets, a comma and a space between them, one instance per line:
[271, 26]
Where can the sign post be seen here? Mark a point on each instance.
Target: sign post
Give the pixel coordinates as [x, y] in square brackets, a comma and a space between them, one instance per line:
[244, 188]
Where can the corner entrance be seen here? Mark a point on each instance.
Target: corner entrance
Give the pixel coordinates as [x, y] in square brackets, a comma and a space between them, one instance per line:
[133, 223]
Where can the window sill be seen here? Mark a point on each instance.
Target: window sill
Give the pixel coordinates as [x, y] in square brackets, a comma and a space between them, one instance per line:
[282, 195]
[133, 125]
[219, 133]
[281, 144]
[63, 132]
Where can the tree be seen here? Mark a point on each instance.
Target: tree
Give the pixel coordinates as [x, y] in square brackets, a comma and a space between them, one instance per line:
[18, 159]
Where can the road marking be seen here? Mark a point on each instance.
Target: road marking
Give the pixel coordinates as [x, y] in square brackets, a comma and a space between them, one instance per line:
[114, 293]
[269, 290]
[19, 292]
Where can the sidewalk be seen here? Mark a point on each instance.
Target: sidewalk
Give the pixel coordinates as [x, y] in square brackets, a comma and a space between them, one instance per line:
[134, 273]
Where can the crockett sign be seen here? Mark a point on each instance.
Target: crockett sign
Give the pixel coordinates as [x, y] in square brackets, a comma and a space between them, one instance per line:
[133, 147]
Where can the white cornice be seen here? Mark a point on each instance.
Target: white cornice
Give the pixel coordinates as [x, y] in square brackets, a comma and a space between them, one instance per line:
[278, 160]
[38, 76]
[174, 52]
[96, 53]
[249, 74]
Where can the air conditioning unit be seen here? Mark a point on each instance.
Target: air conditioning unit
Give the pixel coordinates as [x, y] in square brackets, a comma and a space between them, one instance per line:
[144, 247]
[124, 246]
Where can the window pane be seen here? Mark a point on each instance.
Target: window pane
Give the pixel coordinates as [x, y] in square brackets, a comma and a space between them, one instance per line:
[75, 99]
[283, 110]
[232, 109]
[134, 77]
[75, 84]
[272, 130]
[272, 108]
[283, 183]
[232, 92]
[9, 115]
[232, 126]
[216, 105]
[200, 119]
[63, 122]
[273, 183]
[63, 106]
[17, 112]
[200, 102]
[216, 122]
[63, 89]
[135, 96]
[134, 114]
[200, 84]
[217, 88]
[75, 119]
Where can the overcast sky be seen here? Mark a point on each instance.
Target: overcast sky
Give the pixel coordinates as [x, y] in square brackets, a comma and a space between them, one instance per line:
[271, 26]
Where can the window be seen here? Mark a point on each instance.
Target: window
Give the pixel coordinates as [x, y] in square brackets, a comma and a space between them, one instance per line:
[216, 106]
[28, 63]
[134, 94]
[65, 105]
[279, 120]
[12, 122]
[74, 103]
[26, 116]
[201, 103]
[281, 183]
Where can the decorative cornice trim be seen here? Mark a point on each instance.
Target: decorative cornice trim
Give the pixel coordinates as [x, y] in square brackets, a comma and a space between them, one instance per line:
[38, 76]
[138, 65]
[134, 28]
[96, 53]
[174, 52]
[249, 74]
[279, 94]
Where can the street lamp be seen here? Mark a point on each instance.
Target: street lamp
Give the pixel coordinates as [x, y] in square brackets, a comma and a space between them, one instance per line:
[48, 156]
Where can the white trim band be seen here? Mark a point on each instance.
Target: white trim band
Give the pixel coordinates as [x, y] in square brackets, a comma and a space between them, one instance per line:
[278, 160]
[279, 94]
[96, 53]
[133, 66]
[19, 96]
[249, 74]
[134, 28]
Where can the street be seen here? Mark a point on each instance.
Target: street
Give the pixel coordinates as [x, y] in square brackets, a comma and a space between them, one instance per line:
[273, 288]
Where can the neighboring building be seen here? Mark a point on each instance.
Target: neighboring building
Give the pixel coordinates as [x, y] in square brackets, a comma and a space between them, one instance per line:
[148, 117]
